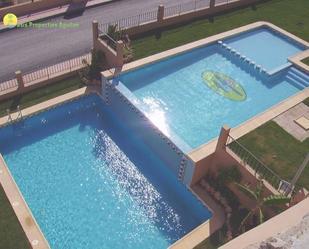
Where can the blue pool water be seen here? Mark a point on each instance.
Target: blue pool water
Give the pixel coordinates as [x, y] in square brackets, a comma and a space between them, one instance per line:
[173, 93]
[91, 183]
[265, 48]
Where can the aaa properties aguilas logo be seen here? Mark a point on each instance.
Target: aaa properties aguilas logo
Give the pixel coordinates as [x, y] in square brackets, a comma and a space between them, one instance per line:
[10, 20]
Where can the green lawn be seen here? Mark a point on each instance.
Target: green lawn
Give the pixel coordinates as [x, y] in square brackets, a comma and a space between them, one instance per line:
[12, 235]
[306, 61]
[291, 15]
[41, 94]
[278, 150]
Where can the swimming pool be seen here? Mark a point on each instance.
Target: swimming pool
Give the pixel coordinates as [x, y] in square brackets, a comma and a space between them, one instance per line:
[90, 182]
[182, 94]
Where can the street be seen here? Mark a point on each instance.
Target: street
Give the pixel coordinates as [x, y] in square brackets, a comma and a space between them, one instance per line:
[30, 49]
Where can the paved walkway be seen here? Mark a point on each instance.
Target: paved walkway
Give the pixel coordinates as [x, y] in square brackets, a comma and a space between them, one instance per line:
[286, 121]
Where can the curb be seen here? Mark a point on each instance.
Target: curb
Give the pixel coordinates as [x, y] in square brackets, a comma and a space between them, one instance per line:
[4, 29]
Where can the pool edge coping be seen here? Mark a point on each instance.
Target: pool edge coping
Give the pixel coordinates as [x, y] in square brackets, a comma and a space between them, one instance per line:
[297, 60]
[21, 209]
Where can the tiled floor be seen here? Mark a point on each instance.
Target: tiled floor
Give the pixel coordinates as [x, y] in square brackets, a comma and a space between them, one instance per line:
[286, 121]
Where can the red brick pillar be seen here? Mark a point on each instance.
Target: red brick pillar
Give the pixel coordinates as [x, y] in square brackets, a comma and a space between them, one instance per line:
[20, 80]
[95, 32]
[160, 15]
[212, 3]
[223, 137]
[119, 50]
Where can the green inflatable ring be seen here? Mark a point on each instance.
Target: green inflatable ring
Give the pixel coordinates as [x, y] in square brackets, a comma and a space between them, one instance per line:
[224, 85]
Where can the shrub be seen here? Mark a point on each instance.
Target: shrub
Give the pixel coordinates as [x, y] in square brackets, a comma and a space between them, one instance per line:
[92, 71]
[228, 175]
[113, 32]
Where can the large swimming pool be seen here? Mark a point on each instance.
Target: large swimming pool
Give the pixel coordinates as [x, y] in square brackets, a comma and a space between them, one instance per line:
[90, 182]
[193, 94]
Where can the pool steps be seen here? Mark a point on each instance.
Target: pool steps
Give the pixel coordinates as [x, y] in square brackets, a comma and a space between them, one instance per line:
[294, 76]
[297, 78]
[243, 58]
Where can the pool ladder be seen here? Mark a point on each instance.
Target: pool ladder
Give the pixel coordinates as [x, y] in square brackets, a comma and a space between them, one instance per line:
[19, 115]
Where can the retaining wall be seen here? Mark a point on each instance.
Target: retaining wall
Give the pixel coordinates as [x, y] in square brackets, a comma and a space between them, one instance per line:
[28, 8]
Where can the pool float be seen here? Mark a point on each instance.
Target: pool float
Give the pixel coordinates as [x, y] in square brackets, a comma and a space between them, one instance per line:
[224, 85]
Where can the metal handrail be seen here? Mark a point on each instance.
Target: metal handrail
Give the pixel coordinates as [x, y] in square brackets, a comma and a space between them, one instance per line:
[257, 165]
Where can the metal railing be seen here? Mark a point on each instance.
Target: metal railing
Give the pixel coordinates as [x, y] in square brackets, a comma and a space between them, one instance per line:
[38, 75]
[132, 21]
[151, 16]
[57, 69]
[259, 167]
[185, 7]
[7, 85]
[110, 42]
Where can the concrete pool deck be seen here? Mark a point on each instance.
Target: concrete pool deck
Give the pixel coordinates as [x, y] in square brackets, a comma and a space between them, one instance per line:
[288, 121]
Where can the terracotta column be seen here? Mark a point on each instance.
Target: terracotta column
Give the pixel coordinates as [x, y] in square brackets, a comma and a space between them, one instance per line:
[95, 32]
[160, 15]
[212, 3]
[223, 137]
[119, 51]
[20, 80]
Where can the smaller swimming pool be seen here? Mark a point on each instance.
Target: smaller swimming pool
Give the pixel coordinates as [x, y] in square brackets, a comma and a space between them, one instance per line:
[190, 96]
